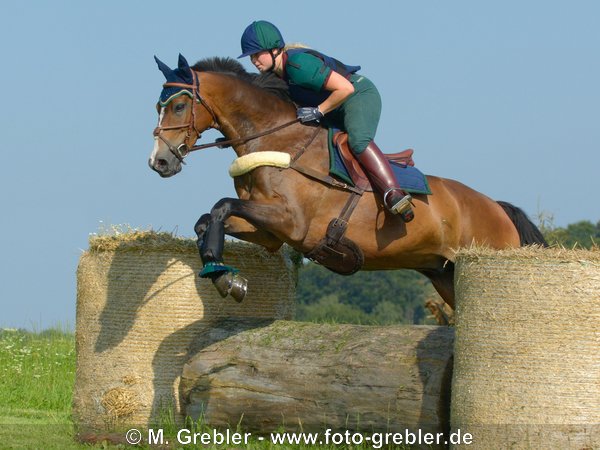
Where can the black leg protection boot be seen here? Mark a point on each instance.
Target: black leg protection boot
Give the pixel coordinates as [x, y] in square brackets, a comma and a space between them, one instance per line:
[380, 173]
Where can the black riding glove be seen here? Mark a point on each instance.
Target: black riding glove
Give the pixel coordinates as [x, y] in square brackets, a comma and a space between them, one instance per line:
[309, 114]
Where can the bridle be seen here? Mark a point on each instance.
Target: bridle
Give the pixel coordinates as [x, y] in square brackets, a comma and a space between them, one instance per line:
[182, 150]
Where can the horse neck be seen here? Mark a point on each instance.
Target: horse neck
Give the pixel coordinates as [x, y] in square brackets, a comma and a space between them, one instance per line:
[242, 110]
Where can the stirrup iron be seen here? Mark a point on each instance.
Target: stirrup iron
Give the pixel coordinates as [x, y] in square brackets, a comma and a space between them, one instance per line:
[402, 207]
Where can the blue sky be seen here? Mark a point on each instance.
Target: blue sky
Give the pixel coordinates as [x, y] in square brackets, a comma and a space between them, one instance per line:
[502, 96]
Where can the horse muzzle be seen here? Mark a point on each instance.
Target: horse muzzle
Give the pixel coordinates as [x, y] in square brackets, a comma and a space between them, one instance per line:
[163, 168]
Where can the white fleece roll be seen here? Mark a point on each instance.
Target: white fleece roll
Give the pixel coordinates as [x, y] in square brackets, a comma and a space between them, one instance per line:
[247, 163]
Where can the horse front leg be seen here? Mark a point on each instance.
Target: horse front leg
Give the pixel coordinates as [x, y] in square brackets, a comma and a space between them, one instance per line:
[241, 229]
[244, 218]
[225, 278]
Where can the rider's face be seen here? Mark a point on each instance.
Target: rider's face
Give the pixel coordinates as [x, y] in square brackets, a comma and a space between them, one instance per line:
[262, 60]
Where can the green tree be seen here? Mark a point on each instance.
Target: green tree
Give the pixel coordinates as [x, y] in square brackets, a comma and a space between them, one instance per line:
[392, 296]
[582, 234]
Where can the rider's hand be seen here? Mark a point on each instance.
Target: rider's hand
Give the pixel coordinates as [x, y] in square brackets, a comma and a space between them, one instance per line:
[309, 114]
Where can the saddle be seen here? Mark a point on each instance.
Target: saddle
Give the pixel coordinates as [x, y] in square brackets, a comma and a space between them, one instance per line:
[354, 169]
[336, 252]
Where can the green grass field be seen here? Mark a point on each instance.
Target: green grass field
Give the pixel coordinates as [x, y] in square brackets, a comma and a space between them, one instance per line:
[37, 373]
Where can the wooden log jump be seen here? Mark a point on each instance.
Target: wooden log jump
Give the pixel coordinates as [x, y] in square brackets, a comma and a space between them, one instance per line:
[305, 376]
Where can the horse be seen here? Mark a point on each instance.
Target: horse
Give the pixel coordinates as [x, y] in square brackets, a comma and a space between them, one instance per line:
[279, 203]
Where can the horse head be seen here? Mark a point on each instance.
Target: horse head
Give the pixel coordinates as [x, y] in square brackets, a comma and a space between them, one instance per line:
[180, 121]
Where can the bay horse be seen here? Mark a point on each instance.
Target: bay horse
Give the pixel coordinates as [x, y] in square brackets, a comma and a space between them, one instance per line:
[278, 204]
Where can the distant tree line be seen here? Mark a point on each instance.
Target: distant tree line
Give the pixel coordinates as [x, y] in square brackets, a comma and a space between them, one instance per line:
[583, 234]
[396, 296]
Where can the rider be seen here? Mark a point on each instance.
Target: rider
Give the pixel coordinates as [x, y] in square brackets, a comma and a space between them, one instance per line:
[322, 85]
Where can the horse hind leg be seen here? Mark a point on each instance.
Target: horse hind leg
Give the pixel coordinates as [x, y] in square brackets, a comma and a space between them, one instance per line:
[441, 311]
[443, 282]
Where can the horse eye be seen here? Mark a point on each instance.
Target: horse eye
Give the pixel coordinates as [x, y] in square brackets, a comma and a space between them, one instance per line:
[179, 107]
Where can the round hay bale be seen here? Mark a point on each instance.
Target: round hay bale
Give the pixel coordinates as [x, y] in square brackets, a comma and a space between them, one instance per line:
[140, 304]
[527, 352]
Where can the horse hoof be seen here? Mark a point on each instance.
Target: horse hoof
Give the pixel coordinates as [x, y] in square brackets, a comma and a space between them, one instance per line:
[239, 288]
[230, 284]
[224, 284]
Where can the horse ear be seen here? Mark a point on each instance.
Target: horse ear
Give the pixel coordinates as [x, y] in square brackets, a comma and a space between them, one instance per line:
[182, 63]
[167, 72]
[184, 70]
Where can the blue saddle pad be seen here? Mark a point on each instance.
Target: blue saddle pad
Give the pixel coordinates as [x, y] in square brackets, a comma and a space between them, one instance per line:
[411, 179]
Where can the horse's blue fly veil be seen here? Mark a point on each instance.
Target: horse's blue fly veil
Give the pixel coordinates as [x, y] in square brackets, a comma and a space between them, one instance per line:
[183, 74]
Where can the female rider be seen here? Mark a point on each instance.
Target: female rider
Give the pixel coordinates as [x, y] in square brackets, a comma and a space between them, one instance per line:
[322, 85]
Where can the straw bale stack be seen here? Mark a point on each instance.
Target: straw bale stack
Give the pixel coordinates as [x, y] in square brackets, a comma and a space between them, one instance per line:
[140, 303]
[527, 352]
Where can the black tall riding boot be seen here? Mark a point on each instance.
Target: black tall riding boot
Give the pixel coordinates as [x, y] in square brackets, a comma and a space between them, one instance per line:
[378, 169]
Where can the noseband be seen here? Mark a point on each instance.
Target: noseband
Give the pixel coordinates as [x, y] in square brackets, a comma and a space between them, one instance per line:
[181, 151]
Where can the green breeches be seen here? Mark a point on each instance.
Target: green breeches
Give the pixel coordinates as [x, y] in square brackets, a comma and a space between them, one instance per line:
[359, 115]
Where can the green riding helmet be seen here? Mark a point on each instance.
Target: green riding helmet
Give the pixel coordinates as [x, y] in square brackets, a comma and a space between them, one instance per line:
[260, 35]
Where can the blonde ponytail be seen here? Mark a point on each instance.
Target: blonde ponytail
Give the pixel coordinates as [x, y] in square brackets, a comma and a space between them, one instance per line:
[294, 45]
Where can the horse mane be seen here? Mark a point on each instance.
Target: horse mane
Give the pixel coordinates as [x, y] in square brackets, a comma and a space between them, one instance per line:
[267, 81]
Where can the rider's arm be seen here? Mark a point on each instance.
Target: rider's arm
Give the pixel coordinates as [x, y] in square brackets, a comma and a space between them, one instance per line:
[340, 89]
[310, 72]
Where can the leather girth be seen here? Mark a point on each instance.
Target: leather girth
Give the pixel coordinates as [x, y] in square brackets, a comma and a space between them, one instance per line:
[336, 252]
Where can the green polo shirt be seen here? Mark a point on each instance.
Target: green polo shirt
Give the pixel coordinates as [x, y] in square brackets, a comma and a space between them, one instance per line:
[307, 70]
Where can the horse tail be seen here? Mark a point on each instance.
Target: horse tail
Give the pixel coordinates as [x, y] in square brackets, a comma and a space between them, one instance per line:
[528, 232]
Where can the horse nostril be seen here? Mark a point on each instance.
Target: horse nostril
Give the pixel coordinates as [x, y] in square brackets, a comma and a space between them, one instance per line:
[158, 165]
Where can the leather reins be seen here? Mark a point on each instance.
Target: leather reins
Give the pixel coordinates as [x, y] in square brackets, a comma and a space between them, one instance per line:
[182, 150]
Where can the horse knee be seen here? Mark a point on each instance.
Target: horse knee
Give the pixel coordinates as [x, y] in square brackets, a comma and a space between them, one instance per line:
[202, 224]
[221, 210]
